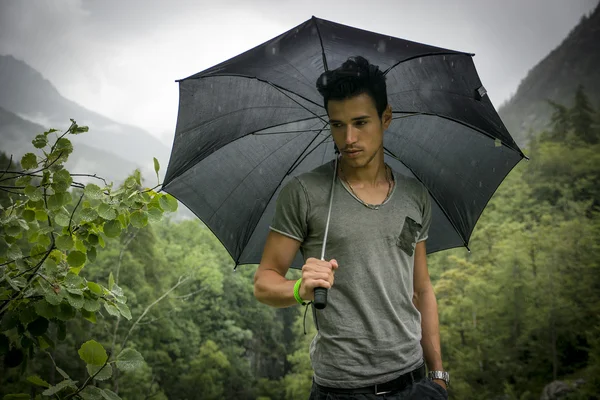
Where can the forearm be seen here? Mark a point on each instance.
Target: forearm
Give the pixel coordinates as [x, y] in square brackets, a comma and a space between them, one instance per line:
[426, 303]
[274, 290]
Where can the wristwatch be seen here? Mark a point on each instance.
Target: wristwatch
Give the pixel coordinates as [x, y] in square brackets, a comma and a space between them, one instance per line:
[443, 375]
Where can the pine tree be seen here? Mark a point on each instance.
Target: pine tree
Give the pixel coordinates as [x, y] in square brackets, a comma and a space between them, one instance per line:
[582, 117]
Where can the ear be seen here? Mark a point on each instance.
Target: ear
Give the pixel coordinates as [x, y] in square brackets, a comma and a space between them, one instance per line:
[386, 117]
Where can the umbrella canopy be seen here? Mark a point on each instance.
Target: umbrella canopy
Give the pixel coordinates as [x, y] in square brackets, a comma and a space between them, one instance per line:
[248, 125]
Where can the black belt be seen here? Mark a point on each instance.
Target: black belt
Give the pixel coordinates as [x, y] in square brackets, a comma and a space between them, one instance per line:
[394, 385]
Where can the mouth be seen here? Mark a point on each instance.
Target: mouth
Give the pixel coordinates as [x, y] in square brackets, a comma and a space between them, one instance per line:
[353, 153]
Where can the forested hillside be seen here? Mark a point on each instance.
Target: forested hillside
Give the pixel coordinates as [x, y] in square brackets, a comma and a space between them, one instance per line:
[518, 312]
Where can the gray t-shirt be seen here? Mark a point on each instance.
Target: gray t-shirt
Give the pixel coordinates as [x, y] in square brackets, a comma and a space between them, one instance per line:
[370, 331]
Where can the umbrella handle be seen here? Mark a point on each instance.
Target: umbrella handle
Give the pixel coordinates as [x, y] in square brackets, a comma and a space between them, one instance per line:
[320, 298]
[321, 293]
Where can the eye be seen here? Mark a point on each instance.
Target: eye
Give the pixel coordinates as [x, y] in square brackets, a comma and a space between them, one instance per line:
[361, 122]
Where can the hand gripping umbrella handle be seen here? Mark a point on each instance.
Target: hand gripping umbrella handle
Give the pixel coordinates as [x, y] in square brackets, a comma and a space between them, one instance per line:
[321, 293]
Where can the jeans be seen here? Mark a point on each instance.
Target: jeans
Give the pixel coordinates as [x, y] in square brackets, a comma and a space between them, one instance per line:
[424, 389]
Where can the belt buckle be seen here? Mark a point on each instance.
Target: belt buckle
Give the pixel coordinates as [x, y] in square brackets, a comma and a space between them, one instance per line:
[377, 393]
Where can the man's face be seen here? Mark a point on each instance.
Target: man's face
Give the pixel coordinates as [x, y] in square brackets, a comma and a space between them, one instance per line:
[356, 128]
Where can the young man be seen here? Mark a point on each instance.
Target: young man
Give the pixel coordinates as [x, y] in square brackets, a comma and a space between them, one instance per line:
[381, 321]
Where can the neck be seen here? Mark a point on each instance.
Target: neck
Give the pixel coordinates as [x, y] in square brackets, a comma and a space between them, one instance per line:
[372, 174]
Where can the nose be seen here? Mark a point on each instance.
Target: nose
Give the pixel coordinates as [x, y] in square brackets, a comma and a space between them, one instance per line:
[351, 135]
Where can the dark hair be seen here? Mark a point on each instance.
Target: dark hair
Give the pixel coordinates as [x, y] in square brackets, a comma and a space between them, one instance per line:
[356, 76]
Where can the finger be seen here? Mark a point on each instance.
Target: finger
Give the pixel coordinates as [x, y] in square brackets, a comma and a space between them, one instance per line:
[334, 263]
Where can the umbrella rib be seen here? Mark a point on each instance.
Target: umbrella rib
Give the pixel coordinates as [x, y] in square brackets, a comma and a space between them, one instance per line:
[443, 53]
[296, 163]
[517, 150]
[281, 132]
[260, 80]
[288, 96]
[321, 42]
[432, 196]
[279, 184]
[193, 162]
[249, 172]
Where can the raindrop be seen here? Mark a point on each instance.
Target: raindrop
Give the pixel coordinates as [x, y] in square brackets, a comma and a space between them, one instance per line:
[441, 86]
[274, 50]
[452, 64]
[444, 58]
[452, 79]
[493, 169]
[324, 80]
[219, 108]
[381, 46]
[442, 171]
[480, 184]
[473, 163]
[211, 85]
[420, 60]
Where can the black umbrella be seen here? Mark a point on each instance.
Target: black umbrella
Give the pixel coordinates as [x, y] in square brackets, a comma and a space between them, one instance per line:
[249, 124]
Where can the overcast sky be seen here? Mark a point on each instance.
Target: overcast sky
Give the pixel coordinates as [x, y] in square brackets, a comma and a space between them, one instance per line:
[121, 58]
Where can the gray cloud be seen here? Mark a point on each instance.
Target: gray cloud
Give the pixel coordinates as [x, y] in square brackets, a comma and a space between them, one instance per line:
[121, 58]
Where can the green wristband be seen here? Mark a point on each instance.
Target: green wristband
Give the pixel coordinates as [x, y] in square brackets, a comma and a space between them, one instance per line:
[297, 292]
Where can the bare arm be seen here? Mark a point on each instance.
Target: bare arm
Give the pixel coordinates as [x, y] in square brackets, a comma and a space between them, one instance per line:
[270, 284]
[425, 301]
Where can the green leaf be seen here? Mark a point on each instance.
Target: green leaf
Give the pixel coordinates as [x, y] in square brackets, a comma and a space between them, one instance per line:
[112, 310]
[74, 281]
[91, 393]
[91, 254]
[91, 305]
[33, 193]
[129, 360]
[53, 298]
[14, 252]
[61, 181]
[103, 375]
[95, 288]
[93, 353]
[27, 315]
[40, 141]
[156, 166]
[36, 380]
[168, 203]
[154, 214]
[38, 327]
[90, 316]
[76, 259]
[64, 146]
[45, 309]
[65, 312]
[64, 242]
[75, 301]
[57, 388]
[139, 219]
[93, 191]
[112, 228]
[124, 310]
[88, 214]
[107, 212]
[28, 215]
[110, 395]
[111, 281]
[41, 215]
[62, 373]
[29, 161]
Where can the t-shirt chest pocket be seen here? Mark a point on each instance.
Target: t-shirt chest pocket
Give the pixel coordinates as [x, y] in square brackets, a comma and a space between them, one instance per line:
[407, 239]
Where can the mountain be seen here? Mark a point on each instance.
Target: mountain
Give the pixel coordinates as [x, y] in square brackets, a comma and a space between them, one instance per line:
[575, 61]
[114, 149]
[17, 133]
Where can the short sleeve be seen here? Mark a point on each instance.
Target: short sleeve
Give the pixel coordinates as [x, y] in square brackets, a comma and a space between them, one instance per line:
[291, 211]
[426, 210]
